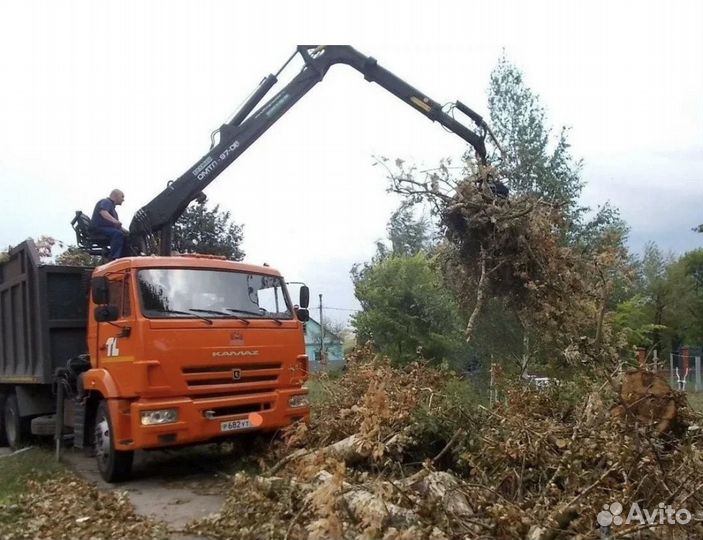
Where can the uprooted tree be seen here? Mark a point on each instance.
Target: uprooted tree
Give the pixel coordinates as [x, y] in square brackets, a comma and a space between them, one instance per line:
[514, 250]
[535, 255]
[536, 265]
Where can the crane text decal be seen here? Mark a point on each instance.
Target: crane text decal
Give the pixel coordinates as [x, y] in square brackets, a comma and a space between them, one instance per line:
[205, 168]
[231, 148]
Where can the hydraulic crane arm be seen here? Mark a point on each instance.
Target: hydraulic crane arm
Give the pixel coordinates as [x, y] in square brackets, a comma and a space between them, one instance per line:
[240, 132]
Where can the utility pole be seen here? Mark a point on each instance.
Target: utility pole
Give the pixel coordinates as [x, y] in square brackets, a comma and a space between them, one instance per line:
[323, 360]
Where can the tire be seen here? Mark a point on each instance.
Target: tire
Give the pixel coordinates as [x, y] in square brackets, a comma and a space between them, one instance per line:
[16, 430]
[114, 465]
[3, 437]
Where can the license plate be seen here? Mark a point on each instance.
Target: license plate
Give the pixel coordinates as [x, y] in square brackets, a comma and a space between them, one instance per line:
[234, 425]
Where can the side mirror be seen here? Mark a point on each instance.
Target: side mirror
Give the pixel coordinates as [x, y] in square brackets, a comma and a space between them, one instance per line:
[105, 313]
[304, 297]
[100, 291]
[303, 314]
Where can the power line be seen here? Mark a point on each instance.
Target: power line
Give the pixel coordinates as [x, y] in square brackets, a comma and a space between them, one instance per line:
[336, 308]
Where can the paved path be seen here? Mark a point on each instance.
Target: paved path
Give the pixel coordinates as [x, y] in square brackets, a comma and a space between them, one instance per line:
[175, 486]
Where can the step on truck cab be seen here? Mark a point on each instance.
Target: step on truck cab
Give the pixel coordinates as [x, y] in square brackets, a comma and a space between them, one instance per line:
[176, 350]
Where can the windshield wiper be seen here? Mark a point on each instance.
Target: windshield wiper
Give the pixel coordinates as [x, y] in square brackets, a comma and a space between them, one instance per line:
[219, 313]
[243, 311]
[274, 319]
[258, 315]
[177, 312]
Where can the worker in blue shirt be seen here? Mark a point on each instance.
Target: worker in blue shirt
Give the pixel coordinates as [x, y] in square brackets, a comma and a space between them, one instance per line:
[106, 222]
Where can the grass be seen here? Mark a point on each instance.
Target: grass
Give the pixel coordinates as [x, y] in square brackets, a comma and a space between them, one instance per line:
[33, 464]
[15, 471]
[319, 386]
[695, 400]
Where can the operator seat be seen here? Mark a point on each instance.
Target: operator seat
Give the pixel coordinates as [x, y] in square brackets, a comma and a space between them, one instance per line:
[88, 240]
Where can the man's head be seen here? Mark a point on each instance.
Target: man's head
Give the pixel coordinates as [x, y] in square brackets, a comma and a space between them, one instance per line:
[117, 196]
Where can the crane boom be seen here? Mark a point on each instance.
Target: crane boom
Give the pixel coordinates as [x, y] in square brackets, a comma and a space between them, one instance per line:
[238, 134]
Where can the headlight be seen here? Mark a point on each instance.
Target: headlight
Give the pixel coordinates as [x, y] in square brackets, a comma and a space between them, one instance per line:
[162, 416]
[298, 401]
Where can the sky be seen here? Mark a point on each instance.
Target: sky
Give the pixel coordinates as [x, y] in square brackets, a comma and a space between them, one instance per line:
[97, 95]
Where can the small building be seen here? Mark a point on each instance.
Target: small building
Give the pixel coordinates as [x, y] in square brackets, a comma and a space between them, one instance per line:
[332, 347]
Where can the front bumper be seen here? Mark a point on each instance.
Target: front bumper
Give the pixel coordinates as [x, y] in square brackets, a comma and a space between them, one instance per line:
[200, 419]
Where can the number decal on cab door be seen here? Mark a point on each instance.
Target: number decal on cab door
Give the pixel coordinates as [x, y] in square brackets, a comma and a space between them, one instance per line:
[111, 346]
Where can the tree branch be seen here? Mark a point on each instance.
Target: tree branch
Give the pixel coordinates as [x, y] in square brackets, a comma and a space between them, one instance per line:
[480, 298]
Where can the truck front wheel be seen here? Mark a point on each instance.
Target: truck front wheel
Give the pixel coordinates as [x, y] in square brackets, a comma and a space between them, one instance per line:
[114, 465]
[16, 427]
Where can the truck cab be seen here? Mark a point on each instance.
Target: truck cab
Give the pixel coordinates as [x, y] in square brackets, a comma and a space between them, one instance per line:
[189, 349]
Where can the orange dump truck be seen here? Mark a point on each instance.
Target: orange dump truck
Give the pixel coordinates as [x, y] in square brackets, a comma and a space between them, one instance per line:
[147, 352]
[150, 352]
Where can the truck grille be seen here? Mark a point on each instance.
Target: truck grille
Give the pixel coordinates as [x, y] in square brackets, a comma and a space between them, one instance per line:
[240, 409]
[233, 378]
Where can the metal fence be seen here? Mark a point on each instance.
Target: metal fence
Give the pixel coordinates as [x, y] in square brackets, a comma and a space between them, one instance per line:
[684, 370]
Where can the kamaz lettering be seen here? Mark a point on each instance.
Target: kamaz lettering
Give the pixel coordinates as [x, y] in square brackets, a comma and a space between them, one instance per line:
[218, 354]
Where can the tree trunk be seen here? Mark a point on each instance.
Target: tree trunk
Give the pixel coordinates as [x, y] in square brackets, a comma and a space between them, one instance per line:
[480, 299]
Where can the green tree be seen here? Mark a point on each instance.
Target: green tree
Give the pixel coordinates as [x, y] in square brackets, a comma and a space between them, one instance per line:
[533, 160]
[407, 310]
[407, 234]
[536, 161]
[656, 289]
[632, 318]
[666, 310]
[208, 230]
[685, 279]
[75, 256]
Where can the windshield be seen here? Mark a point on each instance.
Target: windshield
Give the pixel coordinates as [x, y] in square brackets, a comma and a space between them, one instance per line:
[186, 292]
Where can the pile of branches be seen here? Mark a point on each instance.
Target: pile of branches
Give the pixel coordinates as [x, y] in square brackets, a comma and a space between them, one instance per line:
[372, 399]
[516, 250]
[405, 463]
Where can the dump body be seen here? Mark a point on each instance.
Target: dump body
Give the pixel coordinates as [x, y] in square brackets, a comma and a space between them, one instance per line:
[42, 316]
